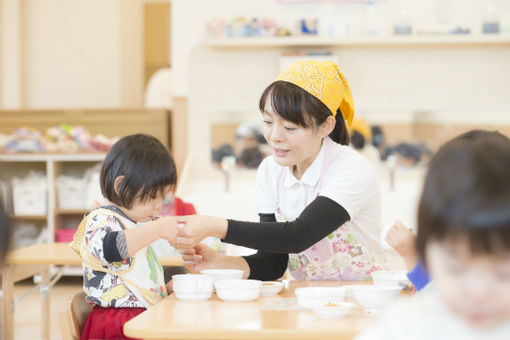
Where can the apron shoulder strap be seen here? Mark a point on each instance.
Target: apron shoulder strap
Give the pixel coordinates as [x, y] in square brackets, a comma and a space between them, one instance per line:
[78, 245]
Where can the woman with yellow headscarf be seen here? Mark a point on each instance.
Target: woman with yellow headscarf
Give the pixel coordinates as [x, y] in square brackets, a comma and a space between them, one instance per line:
[318, 199]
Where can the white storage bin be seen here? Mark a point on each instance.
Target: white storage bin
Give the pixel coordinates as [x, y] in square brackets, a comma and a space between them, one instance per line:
[29, 195]
[94, 196]
[71, 192]
[5, 196]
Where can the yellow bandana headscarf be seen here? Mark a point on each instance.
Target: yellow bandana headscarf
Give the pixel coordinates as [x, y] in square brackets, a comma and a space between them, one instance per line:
[324, 81]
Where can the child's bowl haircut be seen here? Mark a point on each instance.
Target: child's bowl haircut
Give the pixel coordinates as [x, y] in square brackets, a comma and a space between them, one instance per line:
[146, 165]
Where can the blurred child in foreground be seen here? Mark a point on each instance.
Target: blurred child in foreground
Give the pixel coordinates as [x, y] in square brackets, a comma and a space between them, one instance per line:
[464, 243]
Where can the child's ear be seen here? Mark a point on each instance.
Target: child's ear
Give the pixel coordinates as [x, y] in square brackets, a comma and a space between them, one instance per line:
[117, 183]
[328, 126]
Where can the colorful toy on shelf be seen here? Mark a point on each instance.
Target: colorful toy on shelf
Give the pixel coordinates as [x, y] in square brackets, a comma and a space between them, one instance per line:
[241, 27]
[24, 139]
[64, 138]
[309, 26]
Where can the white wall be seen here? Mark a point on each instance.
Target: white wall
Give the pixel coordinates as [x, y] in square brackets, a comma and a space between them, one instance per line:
[10, 54]
[189, 19]
[71, 53]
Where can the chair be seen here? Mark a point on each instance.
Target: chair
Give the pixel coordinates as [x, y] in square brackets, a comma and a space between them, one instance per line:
[75, 316]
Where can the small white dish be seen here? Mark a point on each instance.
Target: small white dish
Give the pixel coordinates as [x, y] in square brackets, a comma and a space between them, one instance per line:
[224, 274]
[334, 310]
[270, 288]
[192, 287]
[391, 278]
[309, 297]
[238, 290]
[375, 297]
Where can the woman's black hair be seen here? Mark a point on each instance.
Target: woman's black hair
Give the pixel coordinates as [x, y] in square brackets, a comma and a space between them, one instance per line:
[146, 165]
[296, 105]
[467, 194]
[5, 233]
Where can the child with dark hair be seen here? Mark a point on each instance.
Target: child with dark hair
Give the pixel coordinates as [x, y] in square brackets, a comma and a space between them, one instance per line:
[464, 243]
[122, 275]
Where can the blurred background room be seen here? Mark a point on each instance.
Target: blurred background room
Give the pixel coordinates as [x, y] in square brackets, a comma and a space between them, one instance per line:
[75, 75]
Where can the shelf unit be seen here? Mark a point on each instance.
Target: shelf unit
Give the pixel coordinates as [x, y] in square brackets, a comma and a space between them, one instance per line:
[369, 41]
[53, 165]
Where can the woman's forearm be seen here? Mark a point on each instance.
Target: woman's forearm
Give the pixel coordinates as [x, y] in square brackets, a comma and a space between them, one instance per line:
[319, 219]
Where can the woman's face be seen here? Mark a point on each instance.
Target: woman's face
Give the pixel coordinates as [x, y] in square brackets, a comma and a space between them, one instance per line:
[476, 287]
[292, 145]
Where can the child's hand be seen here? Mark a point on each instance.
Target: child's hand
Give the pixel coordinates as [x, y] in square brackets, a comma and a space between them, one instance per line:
[195, 228]
[167, 228]
[402, 240]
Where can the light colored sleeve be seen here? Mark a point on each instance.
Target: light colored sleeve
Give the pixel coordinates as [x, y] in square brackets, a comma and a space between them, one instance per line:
[267, 177]
[351, 182]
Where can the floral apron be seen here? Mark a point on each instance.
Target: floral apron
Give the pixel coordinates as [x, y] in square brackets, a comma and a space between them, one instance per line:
[338, 256]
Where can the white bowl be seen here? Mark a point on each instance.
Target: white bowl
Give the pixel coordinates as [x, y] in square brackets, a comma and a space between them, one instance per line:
[333, 310]
[238, 290]
[309, 297]
[375, 297]
[224, 274]
[192, 287]
[391, 278]
[270, 288]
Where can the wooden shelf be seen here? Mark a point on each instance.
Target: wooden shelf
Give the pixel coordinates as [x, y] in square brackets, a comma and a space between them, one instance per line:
[58, 157]
[28, 217]
[71, 211]
[370, 41]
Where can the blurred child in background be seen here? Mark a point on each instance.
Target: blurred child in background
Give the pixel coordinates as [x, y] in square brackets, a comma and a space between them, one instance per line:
[361, 135]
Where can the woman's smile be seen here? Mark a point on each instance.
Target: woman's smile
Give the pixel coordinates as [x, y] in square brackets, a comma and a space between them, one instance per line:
[280, 152]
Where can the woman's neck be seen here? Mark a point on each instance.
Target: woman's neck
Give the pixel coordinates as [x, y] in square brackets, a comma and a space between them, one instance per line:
[299, 169]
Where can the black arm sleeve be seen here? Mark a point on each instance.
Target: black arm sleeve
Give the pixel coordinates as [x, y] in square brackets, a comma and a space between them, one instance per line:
[111, 252]
[267, 266]
[319, 219]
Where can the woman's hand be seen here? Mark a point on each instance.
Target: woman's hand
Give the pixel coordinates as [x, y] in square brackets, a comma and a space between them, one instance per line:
[201, 257]
[194, 228]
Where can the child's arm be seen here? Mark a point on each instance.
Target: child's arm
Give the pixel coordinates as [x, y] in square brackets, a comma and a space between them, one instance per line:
[137, 238]
[402, 240]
